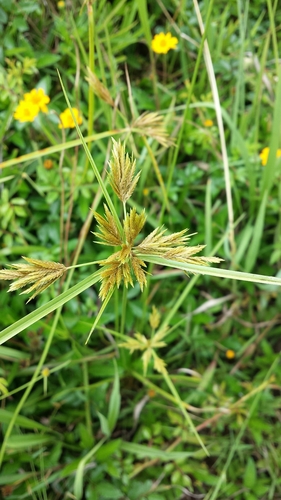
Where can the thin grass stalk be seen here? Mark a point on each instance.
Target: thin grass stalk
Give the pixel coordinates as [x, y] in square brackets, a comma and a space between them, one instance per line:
[62, 198]
[76, 35]
[46, 309]
[78, 482]
[208, 218]
[92, 162]
[186, 109]
[270, 167]
[157, 172]
[239, 98]
[144, 18]
[213, 83]
[124, 308]
[211, 271]
[40, 377]
[59, 147]
[91, 64]
[166, 395]
[88, 418]
[183, 410]
[271, 13]
[100, 313]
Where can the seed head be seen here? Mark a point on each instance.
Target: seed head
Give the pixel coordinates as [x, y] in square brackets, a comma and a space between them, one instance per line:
[37, 273]
[122, 176]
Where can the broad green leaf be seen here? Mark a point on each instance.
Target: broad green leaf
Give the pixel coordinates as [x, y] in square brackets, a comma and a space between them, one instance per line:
[79, 483]
[26, 423]
[25, 441]
[250, 474]
[143, 451]
[104, 424]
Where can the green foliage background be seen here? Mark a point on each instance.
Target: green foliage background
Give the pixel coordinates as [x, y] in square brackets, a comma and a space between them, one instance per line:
[94, 426]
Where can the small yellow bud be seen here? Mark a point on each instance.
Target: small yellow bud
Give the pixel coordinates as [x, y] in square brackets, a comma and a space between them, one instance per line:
[208, 123]
[48, 164]
[45, 372]
[230, 354]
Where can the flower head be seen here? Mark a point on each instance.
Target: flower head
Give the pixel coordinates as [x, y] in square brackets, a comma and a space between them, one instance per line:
[61, 4]
[48, 164]
[162, 43]
[45, 372]
[230, 354]
[26, 112]
[67, 120]
[37, 273]
[265, 153]
[208, 123]
[37, 97]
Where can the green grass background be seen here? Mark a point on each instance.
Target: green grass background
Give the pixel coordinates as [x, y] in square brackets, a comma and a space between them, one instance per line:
[96, 428]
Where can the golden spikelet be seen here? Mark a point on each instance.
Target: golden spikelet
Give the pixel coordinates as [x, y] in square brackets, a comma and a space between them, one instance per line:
[122, 176]
[156, 242]
[109, 233]
[173, 246]
[159, 365]
[119, 267]
[98, 87]
[133, 225]
[142, 343]
[137, 265]
[152, 125]
[154, 318]
[37, 273]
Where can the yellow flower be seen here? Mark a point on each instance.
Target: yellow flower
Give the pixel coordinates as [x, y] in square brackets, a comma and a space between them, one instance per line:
[61, 4]
[48, 164]
[26, 112]
[230, 354]
[67, 120]
[145, 192]
[208, 123]
[37, 97]
[264, 155]
[162, 43]
[45, 372]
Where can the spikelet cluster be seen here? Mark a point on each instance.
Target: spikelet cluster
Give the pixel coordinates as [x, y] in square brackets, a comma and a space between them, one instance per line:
[174, 247]
[148, 345]
[121, 266]
[122, 176]
[37, 275]
[128, 263]
[152, 125]
[98, 87]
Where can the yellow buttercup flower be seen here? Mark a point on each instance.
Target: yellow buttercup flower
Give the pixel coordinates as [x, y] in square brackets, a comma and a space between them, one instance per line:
[67, 120]
[208, 123]
[162, 43]
[26, 112]
[38, 98]
[48, 164]
[264, 155]
[61, 4]
[230, 354]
